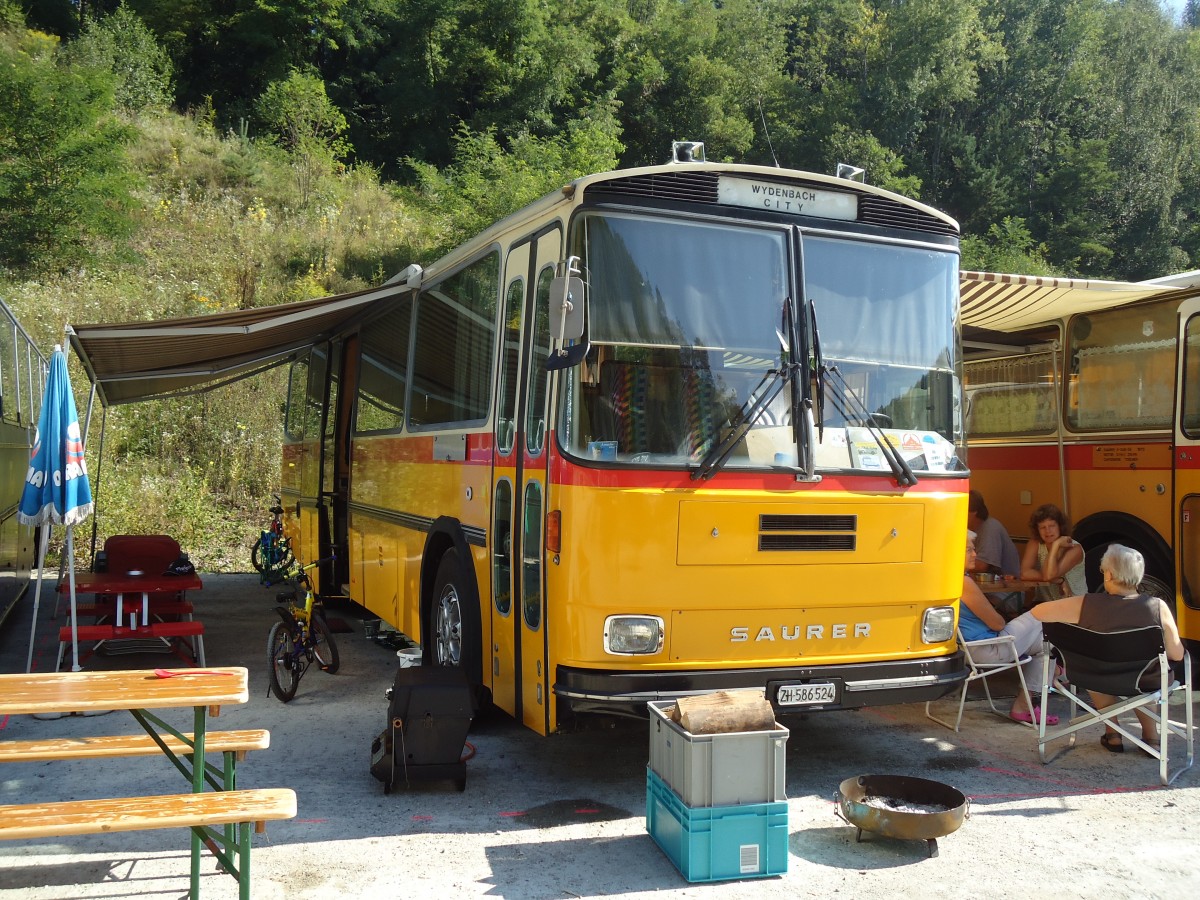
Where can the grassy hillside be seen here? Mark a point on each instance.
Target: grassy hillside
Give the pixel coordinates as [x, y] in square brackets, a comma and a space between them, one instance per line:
[222, 222]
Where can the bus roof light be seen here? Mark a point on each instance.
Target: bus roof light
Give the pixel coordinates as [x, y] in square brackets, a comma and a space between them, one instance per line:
[687, 151]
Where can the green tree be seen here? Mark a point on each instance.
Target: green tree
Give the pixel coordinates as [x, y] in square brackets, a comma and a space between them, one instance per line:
[64, 183]
[123, 46]
[486, 183]
[297, 114]
[1007, 247]
[507, 66]
[226, 52]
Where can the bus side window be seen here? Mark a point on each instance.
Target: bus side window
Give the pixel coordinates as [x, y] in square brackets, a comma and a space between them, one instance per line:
[535, 419]
[297, 395]
[453, 349]
[383, 371]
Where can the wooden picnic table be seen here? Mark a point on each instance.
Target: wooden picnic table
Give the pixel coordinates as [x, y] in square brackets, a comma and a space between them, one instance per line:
[141, 692]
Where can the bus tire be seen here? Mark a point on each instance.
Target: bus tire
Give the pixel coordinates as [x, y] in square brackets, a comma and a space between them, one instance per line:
[454, 622]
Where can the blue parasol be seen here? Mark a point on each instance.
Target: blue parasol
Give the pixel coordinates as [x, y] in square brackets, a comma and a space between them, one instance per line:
[57, 490]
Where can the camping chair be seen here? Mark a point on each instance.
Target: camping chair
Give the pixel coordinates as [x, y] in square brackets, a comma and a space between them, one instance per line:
[1123, 664]
[982, 671]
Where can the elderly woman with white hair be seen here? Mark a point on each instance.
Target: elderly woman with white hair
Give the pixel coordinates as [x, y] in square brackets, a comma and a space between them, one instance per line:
[1120, 607]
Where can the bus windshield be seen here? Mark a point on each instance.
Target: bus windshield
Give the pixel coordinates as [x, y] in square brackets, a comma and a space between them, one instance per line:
[686, 322]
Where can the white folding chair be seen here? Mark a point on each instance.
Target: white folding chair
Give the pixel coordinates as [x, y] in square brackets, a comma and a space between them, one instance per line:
[1131, 665]
[982, 671]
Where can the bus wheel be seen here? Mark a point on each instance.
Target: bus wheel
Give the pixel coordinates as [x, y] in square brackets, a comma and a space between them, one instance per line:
[456, 632]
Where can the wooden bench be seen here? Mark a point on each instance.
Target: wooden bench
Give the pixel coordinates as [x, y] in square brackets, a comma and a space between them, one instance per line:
[233, 744]
[199, 812]
[154, 631]
[237, 742]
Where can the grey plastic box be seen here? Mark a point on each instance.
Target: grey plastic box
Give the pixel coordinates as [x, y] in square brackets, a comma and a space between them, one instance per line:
[717, 769]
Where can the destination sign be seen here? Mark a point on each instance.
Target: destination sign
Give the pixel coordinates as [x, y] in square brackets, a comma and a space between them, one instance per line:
[786, 198]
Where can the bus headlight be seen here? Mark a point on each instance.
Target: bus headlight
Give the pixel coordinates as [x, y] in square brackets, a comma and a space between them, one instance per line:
[628, 635]
[938, 625]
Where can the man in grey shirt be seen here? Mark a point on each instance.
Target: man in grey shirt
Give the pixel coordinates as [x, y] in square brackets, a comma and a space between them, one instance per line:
[996, 553]
[994, 550]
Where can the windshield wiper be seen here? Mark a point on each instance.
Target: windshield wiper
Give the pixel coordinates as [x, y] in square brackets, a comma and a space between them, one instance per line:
[759, 400]
[818, 371]
[756, 404]
[850, 407]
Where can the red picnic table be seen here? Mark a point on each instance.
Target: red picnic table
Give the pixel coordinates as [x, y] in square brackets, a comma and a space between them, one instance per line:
[160, 595]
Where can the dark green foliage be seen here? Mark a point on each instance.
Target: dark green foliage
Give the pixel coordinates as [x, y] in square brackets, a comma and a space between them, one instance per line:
[121, 45]
[65, 190]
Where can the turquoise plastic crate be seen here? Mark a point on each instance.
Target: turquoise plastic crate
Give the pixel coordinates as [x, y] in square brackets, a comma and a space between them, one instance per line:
[717, 843]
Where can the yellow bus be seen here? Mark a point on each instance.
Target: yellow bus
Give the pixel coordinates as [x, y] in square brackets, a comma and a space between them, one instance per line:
[667, 430]
[1087, 395]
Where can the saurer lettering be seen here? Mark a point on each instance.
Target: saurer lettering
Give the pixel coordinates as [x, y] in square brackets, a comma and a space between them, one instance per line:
[741, 634]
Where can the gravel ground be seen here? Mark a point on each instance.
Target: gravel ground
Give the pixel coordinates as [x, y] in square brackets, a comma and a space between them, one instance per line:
[564, 816]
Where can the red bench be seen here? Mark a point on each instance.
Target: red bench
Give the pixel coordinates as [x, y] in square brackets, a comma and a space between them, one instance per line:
[164, 631]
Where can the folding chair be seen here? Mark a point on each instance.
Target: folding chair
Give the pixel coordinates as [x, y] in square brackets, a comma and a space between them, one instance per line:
[982, 671]
[1120, 663]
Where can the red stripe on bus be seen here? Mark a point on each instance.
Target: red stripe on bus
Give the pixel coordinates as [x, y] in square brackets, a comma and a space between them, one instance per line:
[1187, 458]
[563, 471]
[1044, 457]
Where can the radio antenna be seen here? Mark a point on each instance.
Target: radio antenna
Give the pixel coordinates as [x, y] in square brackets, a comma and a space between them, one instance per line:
[766, 133]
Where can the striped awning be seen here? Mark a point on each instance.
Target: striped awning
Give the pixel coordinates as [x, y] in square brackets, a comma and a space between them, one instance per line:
[134, 361]
[1005, 303]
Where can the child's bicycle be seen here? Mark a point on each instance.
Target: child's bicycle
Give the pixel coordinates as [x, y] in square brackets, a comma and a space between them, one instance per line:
[271, 554]
[300, 638]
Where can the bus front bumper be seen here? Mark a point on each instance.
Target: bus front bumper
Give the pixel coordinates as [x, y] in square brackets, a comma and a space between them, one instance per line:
[856, 684]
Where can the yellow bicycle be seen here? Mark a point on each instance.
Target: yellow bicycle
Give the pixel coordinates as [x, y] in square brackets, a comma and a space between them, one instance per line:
[300, 638]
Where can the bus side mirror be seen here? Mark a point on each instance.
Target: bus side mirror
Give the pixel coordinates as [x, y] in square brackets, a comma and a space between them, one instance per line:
[566, 307]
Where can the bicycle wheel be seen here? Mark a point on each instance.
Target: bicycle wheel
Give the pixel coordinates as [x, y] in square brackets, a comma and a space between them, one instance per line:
[281, 662]
[256, 555]
[281, 557]
[324, 647]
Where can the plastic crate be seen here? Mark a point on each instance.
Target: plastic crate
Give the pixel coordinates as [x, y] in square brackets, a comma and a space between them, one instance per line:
[717, 769]
[717, 843]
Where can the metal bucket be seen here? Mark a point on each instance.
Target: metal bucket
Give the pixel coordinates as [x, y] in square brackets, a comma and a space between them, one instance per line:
[897, 806]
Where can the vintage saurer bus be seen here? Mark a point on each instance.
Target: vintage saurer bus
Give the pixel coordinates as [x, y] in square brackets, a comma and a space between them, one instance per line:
[668, 430]
[1087, 396]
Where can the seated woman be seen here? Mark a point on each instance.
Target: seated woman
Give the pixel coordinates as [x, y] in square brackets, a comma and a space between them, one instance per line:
[1118, 608]
[1053, 555]
[978, 619]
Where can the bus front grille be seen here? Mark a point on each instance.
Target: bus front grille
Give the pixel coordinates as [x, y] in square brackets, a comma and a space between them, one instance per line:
[807, 532]
[806, 542]
[776, 522]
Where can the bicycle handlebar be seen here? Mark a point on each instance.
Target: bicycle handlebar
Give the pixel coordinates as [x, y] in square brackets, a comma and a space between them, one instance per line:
[316, 562]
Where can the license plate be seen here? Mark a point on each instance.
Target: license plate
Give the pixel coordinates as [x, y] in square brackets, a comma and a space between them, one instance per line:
[806, 694]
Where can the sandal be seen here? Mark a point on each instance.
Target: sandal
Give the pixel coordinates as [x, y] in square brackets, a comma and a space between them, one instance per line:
[1111, 741]
[1034, 717]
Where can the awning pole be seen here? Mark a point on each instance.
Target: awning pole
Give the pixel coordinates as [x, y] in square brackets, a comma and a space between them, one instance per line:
[96, 493]
[1058, 417]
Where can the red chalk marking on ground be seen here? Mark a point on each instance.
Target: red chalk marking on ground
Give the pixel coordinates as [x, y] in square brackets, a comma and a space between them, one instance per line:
[508, 815]
[422, 818]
